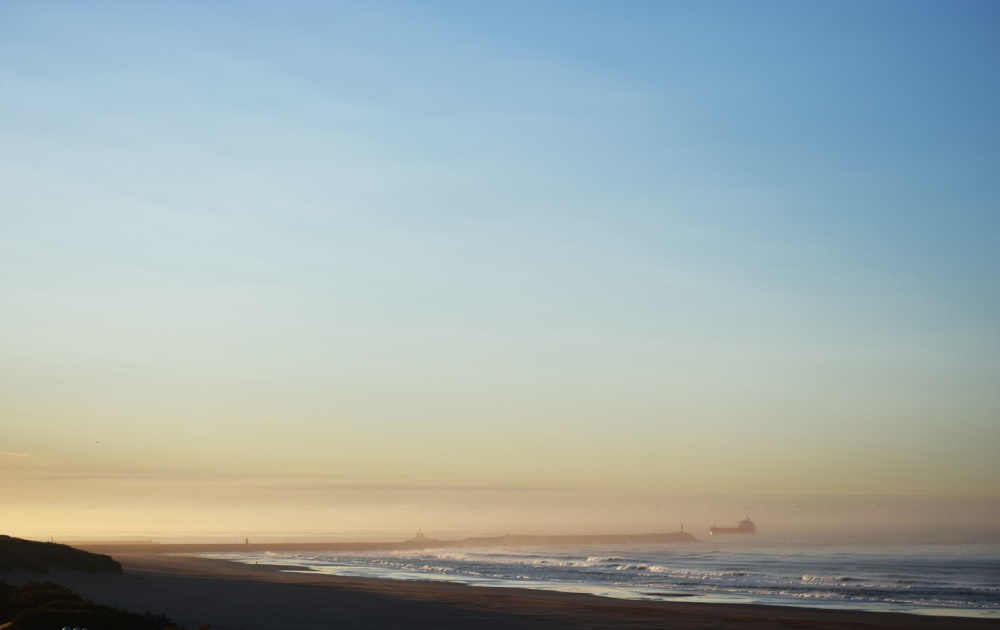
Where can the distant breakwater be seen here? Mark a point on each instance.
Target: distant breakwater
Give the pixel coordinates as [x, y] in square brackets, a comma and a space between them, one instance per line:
[510, 540]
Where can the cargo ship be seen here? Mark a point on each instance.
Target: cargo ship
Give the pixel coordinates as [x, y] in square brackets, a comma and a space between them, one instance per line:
[745, 526]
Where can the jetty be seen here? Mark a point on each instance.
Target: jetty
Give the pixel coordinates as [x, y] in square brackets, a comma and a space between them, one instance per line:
[420, 542]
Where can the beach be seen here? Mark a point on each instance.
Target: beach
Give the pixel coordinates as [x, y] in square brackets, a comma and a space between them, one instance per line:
[195, 591]
[490, 314]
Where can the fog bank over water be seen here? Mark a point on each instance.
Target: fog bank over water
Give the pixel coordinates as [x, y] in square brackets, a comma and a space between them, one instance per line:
[117, 506]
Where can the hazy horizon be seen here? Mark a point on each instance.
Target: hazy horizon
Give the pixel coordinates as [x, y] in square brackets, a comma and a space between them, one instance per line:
[498, 266]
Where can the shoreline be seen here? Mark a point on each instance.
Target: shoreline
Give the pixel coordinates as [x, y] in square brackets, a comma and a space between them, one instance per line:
[234, 596]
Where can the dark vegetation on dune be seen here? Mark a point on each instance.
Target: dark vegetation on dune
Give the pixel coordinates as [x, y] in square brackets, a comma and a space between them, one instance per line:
[48, 606]
[16, 553]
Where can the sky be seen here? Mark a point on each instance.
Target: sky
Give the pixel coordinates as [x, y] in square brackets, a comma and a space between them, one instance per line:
[527, 265]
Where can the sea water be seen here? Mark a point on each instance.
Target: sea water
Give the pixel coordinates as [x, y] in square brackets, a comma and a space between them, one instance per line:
[949, 579]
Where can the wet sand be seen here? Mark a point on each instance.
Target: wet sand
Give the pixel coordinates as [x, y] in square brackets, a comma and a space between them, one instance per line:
[230, 596]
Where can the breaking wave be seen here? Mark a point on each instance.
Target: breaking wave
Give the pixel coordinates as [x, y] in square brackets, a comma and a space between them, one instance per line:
[907, 580]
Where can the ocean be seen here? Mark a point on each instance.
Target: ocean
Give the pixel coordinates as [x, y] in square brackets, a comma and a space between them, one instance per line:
[930, 579]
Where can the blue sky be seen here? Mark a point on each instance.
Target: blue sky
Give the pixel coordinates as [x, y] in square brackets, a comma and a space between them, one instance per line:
[479, 243]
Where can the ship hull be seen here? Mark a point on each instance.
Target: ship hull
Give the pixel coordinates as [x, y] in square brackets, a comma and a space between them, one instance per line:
[716, 531]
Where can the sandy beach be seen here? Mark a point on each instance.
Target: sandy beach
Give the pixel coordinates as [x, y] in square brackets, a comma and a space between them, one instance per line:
[229, 596]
